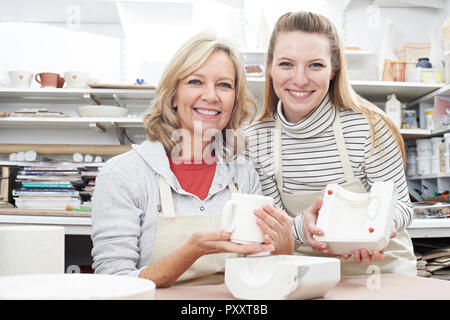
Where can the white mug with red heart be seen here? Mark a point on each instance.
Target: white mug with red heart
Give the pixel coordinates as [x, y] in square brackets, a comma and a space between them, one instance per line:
[20, 79]
[76, 79]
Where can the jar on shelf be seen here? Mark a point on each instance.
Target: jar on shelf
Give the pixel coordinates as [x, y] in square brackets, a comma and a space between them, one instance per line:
[411, 162]
[409, 119]
[429, 119]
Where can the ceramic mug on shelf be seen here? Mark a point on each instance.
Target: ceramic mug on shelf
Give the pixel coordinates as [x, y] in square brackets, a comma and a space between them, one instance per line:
[60, 82]
[239, 219]
[20, 79]
[76, 79]
[48, 79]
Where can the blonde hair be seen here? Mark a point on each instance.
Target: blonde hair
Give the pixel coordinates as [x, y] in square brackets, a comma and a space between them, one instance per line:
[162, 120]
[341, 93]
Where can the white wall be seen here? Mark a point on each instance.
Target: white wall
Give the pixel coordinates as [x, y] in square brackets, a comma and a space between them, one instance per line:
[140, 37]
[364, 24]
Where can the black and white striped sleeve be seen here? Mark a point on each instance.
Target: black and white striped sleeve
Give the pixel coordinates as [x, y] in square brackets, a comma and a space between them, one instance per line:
[386, 164]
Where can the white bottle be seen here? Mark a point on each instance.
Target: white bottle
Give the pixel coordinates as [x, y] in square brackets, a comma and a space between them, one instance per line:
[393, 110]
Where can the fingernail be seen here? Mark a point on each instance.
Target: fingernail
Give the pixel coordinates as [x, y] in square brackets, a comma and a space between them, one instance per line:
[323, 246]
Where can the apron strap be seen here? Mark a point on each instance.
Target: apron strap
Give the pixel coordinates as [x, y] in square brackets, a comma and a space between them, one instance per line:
[340, 143]
[277, 155]
[165, 193]
[342, 149]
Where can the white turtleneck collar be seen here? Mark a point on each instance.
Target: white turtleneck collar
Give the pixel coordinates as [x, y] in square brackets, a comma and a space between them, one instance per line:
[317, 121]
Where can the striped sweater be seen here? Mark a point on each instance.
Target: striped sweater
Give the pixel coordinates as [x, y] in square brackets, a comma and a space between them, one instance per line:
[311, 160]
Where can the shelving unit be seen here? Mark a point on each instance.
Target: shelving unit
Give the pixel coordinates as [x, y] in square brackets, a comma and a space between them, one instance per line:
[375, 91]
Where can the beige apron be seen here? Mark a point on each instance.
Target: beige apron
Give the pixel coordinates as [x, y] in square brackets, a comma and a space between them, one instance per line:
[398, 255]
[174, 229]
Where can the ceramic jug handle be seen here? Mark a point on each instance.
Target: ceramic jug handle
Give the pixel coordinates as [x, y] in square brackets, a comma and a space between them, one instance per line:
[36, 77]
[374, 206]
[228, 214]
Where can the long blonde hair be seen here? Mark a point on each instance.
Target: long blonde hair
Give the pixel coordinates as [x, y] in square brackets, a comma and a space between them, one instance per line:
[162, 120]
[341, 93]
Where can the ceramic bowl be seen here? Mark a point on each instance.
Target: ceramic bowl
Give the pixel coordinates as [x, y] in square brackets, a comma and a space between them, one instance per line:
[75, 286]
[101, 111]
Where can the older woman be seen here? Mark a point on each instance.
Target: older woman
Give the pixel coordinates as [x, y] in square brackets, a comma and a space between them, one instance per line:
[156, 209]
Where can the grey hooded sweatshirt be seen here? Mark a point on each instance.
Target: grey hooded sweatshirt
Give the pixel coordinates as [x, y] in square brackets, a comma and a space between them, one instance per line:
[126, 198]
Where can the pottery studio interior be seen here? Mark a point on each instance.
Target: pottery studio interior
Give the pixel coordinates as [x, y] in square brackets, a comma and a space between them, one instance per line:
[225, 150]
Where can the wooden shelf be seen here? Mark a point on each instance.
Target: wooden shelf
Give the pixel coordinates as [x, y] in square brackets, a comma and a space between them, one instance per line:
[43, 212]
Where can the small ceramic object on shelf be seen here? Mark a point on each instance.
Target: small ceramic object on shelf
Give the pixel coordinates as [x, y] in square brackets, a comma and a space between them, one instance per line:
[77, 157]
[281, 277]
[20, 156]
[98, 159]
[88, 158]
[351, 220]
[30, 155]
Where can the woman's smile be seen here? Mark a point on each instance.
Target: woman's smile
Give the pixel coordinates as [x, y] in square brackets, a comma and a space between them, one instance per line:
[207, 113]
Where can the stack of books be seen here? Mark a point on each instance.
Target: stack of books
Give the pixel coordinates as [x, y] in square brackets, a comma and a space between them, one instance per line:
[47, 188]
[88, 176]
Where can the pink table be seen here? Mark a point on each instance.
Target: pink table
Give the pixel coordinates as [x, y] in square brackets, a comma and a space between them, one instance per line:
[386, 287]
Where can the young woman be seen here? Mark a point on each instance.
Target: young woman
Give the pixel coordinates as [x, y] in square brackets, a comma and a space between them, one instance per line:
[315, 130]
[156, 209]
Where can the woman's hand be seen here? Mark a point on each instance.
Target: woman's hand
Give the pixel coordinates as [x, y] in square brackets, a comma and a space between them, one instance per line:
[309, 227]
[208, 242]
[362, 255]
[276, 225]
[167, 270]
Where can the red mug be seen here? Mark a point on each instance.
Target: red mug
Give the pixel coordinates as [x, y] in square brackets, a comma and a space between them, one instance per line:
[60, 82]
[47, 79]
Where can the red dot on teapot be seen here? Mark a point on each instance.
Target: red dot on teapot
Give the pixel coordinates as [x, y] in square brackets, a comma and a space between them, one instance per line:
[330, 192]
[371, 229]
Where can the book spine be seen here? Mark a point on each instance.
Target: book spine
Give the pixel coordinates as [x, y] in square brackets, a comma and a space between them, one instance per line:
[47, 185]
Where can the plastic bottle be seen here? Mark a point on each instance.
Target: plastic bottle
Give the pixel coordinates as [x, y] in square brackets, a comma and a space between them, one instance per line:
[393, 110]
[429, 119]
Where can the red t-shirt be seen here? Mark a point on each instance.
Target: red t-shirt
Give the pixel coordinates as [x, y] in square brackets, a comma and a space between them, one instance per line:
[195, 178]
